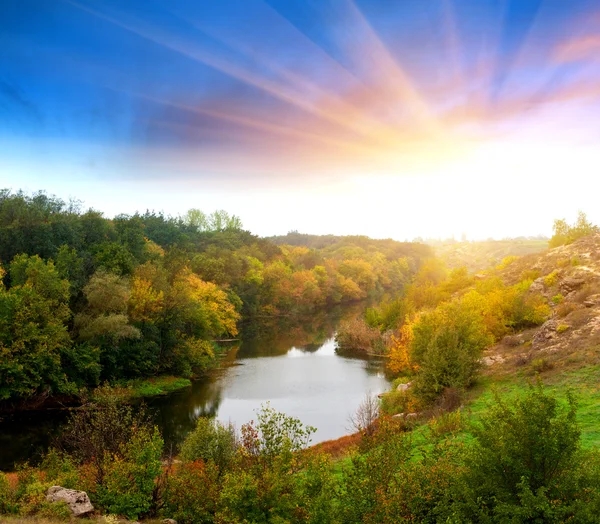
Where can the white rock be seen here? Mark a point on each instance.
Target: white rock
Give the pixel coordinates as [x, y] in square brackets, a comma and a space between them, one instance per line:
[78, 501]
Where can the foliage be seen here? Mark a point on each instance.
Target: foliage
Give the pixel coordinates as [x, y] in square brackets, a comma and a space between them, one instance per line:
[525, 460]
[129, 478]
[566, 234]
[184, 500]
[210, 441]
[89, 299]
[447, 346]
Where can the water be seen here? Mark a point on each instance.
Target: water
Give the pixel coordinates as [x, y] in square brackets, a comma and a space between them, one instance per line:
[293, 365]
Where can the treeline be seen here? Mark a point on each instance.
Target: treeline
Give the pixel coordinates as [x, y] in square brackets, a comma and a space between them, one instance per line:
[434, 333]
[86, 299]
[522, 463]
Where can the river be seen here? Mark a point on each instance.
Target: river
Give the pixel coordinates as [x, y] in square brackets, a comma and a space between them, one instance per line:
[292, 364]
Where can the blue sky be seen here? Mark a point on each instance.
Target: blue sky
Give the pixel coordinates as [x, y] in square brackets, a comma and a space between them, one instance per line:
[410, 112]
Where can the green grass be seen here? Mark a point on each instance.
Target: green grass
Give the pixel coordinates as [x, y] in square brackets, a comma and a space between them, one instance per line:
[584, 382]
[151, 387]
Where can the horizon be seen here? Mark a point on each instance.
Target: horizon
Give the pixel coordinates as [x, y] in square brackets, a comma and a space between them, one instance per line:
[336, 117]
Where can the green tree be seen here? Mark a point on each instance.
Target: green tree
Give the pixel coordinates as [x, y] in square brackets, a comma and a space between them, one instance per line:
[566, 234]
[33, 330]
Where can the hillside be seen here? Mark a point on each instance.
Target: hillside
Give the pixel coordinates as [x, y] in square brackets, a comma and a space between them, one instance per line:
[480, 255]
[564, 351]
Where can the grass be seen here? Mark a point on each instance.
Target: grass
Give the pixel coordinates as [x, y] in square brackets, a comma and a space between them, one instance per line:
[158, 386]
[584, 382]
[151, 387]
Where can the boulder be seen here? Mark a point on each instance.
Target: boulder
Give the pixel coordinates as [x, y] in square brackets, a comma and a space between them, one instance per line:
[169, 521]
[78, 501]
[592, 301]
[570, 284]
[537, 286]
[404, 387]
[545, 333]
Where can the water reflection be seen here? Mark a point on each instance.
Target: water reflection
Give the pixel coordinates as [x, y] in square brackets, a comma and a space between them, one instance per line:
[292, 363]
[294, 366]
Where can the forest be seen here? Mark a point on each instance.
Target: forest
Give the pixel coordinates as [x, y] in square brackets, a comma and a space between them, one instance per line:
[482, 423]
[86, 299]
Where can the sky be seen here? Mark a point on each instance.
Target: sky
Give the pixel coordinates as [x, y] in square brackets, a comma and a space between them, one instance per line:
[390, 118]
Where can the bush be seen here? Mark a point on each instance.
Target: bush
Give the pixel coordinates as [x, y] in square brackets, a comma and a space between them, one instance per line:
[561, 328]
[363, 421]
[565, 308]
[130, 476]
[447, 347]
[525, 462]
[101, 428]
[551, 279]
[557, 299]
[274, 434]
[61, 469]
[210, 441]
[191, 493]
[539, 365]
[530, 274]
[8, 496]
[356, 334]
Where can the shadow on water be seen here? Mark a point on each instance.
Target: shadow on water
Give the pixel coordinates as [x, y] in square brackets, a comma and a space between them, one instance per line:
[290, 362]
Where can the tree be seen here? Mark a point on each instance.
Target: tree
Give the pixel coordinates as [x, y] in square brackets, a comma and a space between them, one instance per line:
[447, 347]
[566, 234]
[33, 330]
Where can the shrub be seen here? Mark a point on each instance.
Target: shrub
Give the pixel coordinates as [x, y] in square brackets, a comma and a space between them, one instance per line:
[530, 274]
[210, 441]
[363, 421]
[356, 334]
[368, 481]
[522, 460]
[192, 492]
[274, 434]
[565, 308]
[61, 469]
[575, 261]
[101, 428]
[561, 328]
[394, 402]
[446, 423]
[447, 347]
[130, 476]
[8, 496]
[557, 299]
[539, 365]
[551, 279]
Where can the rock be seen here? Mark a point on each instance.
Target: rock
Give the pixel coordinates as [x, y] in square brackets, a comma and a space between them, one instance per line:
[545, 333]
[405, 416]
[404, 387]
[570, 284]
[592, 301]
[169, 521]
[78, 501]
[537, 286]
[511, 341]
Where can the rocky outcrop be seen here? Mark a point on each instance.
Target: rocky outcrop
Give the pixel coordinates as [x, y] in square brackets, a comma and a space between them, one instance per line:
[78, 501]
[545, 333]
[592, 300]
[570, 284]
